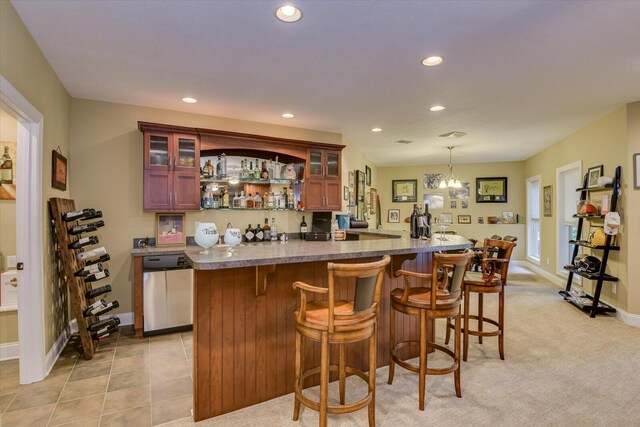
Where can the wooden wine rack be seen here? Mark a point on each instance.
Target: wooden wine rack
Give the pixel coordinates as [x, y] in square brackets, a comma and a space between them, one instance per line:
[77, 286]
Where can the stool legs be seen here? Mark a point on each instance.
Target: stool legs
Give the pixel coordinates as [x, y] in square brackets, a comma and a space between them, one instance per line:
[372, 375]
[324, 378]
[423, 358]
[448, 331]
[392, 343]
[456, 352]
[296, 404]
[501, 322]
[341, 371]
[466, 323]
[480, 307]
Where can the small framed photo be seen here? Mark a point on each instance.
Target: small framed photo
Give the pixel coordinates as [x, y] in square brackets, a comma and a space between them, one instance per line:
[480, 220]
[547, 198]
[367, 171]
[345, 192]
[352, 179]
[393, 215]
[465, 204]
[491, 190]
[170, 229]
[58, 171]
[454, 204]
[464, 219]
[594, 173]
[404, 190]
[636, 171]
[508, 218]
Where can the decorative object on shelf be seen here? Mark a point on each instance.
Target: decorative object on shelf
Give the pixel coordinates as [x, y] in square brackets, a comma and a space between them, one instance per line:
[435, 201]
[58, 170]
[393, 215]
[547, 199]
[431, 181]
[373, 197]
[465, 204]
[404, 190]
[352, 179]
[493, 220]
[170, 229]
[612, 223]
[345, 192]
[491, 190]
[460, 193]
[450, 181]
[464, 219]
[508, 218]
[454, 204]
[480, 220]
[593, 173]
[367, 171]
[289, 172]
[206, 235]
[636, 171]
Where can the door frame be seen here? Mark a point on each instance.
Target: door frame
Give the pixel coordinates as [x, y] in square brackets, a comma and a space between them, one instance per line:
[560, 171]
[29, 226]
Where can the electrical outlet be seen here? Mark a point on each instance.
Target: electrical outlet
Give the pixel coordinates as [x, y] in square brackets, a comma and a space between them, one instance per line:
[12, 262]
[614, 288]
[547, 260]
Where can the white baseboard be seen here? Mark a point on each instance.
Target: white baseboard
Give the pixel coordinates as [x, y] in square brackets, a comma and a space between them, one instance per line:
[628, 318]
[56, 349]
[9, 351]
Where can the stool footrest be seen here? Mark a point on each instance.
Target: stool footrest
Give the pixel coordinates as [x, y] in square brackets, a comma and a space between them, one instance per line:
[414, 368]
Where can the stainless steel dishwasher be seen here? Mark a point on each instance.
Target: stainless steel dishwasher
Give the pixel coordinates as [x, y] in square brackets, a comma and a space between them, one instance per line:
[168, 294]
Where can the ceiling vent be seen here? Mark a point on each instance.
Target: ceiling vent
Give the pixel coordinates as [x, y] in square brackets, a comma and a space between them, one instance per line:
[404, 141]
[454, 134]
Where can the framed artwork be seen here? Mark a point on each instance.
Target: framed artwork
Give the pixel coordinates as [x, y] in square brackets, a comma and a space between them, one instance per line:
[454, 204]
[465, 204]
[367, 172]
[493, 220]
[508, 218]
[480, 220]
[594, 173]
[58, 171]
[464, 219]
[8, 158]
[404, 190]
[491, 190]
[373, 199]
[170, 229]
[393, 215]
[636, 171]
[435, 201]
[460, 193]
[431, 181]
[547, 199]
[345, 192]
[352, 179]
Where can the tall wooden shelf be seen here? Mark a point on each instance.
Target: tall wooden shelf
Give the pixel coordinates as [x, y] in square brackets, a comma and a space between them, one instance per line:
[588, 303]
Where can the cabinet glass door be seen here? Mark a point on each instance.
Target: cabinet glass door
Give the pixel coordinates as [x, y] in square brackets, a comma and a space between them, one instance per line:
[186, 152]
[315, 163]
[333, 164]
[158, 150]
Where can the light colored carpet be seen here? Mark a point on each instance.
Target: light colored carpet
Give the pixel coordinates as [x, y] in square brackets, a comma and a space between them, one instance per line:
[562, 368]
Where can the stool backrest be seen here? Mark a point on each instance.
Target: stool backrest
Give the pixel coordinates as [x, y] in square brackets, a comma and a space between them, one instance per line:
[499, 249]
[456, 264]
[368, 278]
[508, 238]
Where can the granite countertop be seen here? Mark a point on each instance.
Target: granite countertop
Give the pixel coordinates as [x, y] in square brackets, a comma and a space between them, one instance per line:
[390, 234]
[295, 251]
[164, 250]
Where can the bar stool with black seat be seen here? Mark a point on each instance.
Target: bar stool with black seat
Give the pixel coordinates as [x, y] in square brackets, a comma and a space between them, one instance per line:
[439, 299]
[339, 322]
[496, 255]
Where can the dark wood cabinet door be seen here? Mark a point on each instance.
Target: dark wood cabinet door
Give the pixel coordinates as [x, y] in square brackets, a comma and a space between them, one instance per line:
[186, 191]
[158, 150]
[314, 194]
[333, 194]
[186, 153]
[158, 190]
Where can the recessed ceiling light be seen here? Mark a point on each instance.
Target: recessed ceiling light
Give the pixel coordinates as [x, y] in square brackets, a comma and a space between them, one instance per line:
[432, 61]
[189, 100]
[404, 141]
[454, 134]
[437, 108]
[288, 13]
[376, 130]
[288, 115]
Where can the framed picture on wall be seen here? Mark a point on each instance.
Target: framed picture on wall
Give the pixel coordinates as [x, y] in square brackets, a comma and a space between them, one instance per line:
[170, 229]
[547, 199]
[393, 215]
[491, 190]
[464, 219]
[345, 192]
[367, 171]
[594, 173]
[404, 190]
[636, 171]
[58, 170]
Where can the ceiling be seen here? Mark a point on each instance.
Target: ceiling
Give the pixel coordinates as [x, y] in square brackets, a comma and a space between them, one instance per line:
[517, 76]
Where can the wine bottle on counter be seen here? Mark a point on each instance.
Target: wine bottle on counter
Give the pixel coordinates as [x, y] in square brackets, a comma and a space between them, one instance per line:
[104, 323]
[303, 228]
[100, 259]
[267, 230]
[414, 223]
[92, 253]
[259, 233]
[97, 276]
[104, 333]
[249, 234]
[110, 306]
[77, 215]
[98, 291]
[86, 228]
[86, 241]
[94, 308]
[89, 269]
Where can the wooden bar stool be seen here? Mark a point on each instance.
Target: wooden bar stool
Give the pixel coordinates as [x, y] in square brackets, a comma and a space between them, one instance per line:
[496, 255]
[425, 303]
[339, 322]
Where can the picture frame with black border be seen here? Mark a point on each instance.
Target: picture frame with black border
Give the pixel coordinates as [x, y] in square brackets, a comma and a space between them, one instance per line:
[404, 190]
[464, 219]
[58, 171]
[393, 216]
[593, 173]
[491, 190]
[367, 171]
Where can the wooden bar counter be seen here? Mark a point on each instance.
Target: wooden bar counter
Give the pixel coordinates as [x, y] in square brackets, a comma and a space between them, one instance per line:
[244, 325]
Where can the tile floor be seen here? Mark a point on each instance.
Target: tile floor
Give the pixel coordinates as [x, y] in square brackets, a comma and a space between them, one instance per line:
[129, 382]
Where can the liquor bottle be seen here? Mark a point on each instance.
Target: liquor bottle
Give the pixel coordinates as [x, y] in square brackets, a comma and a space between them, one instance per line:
[250, 173]
[267, 230]
[257, 171]
[97, 276]
[265, 172]
[89, 269]
[6, 167]
[236, 201]
[110, 306]
[86, 228]
[274, 230]
[95, 307]
[85, 241]
[100, 259]
[77, 215]
[221, 166]
[290, 203]
[249, 235]
[104, 323]
[104, 333]
[259, 233]
[284, 199]
[225, 198]
[250, 202]
[91, 254]
[98, 291]
[303, 228]
[243, 200]
[271, 201]
[414, 223]
[257, 201]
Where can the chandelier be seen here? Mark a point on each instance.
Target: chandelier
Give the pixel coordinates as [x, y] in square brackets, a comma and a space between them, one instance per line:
[450, 181]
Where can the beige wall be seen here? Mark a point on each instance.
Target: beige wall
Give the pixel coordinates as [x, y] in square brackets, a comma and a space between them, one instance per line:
[604, 141]
[632, 209]
[25, 67]
[106, 173]
[514, 171]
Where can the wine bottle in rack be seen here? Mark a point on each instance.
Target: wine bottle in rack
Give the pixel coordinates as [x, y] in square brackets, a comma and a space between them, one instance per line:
[104, 333]
[85, 241]
[97, 276]
[77, 215]
[86, 228]
[98, 291]
[94, 308]
[89, 269]
[93, 215]
[92, 253]
[107, 308]
[104, 323]
[100, 259]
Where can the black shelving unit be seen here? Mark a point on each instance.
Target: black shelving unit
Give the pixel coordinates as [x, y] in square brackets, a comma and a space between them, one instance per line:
[588, 303]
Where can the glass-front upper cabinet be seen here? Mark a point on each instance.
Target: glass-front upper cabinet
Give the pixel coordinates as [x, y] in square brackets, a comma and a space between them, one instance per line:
[324, 163]
[315, 162]
[187, 152]
[171, 151]
[158, 150]
[333, 164]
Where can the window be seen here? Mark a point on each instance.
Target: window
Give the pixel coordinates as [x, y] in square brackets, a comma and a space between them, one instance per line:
[568, 179]
[533, 219]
